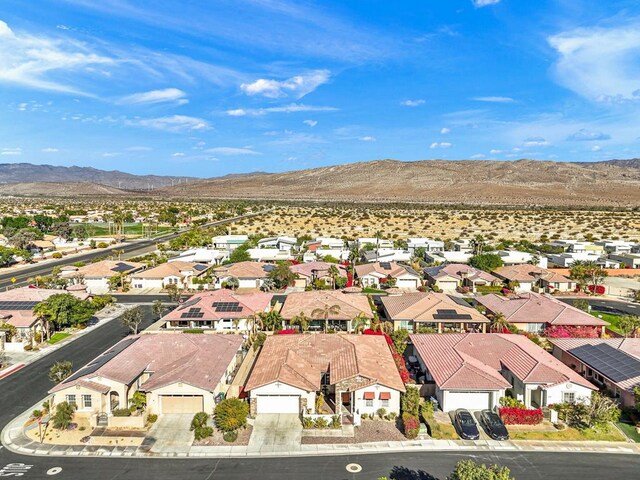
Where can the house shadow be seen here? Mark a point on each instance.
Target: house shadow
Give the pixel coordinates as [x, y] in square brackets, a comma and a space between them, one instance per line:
[404, 473]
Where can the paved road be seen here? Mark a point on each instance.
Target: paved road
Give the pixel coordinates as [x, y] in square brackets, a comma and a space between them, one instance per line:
[28, 386]
[610, 306]
[132, 249]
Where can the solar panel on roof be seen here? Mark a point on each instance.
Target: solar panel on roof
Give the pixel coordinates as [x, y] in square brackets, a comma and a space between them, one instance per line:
[102, 359]
[18, 305]
[450, 314]
[269, 268]
[200, 268]
[121, 267]
[385, 265]
[609, 361]
[193, 313]
[222, 307]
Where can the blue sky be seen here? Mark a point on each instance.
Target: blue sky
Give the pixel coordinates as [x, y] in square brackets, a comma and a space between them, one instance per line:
[206, 88]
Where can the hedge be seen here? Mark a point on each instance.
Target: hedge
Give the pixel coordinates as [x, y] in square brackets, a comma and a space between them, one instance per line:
[520, 416]
[411, 425]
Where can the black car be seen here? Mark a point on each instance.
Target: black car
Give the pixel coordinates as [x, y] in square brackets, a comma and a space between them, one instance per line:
[492, 423]
[466, 425]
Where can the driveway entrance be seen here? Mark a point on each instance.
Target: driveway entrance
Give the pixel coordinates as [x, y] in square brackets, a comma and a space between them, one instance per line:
[276, 432]
[171, 433]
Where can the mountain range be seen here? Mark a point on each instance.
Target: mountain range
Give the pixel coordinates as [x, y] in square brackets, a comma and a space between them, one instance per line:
[476, 182]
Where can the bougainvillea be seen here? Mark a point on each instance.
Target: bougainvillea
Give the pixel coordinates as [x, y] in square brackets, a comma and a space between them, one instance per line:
[411, 425]
[520, 416]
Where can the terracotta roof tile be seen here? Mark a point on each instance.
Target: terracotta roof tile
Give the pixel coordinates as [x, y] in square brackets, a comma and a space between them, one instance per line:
[351, 304]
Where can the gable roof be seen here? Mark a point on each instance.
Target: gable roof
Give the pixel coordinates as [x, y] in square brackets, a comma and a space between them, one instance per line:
[197, 360]
[459, 271]
[248, 304]
[244, 270]
[531, 307]
[473, 361]
[377, 270]
[350, 304]
[321, 269]
[300, 360]
[430, 307]
[22, 316]
[530, 273]
[173, 269]
[102, 269]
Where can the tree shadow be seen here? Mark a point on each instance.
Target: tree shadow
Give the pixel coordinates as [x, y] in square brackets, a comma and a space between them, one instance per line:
[404, 473]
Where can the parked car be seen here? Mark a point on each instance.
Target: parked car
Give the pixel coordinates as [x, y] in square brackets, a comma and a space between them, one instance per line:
[492, 423]
[466, 425]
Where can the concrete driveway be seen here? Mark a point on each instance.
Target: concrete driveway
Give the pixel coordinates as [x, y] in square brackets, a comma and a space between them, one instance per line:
[171, 433]
[276, 432]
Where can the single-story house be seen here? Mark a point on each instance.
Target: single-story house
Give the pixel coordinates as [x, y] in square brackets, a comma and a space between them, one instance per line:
[428, 244]
[249, 274]
[475, 370]
[613, 363]
[436, 311]
[282, 243]
[270, 255]
[309, 272]
[207, 256]
[350, 305]
[376, 242]
[376, 274]
[325, 246]
[630, 260]
[516, 257]
[356, 374]
[528, 277]
[535, 312]
[179, 373]
[454, 256]
[219, 310]
[228, 242]
[16, 308]
[180, 274]
[386, 255]
[96, 276]
[451, 276]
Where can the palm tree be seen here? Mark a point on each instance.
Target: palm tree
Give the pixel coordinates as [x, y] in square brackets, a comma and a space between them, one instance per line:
[271, 320]
[253, 321]
[499, 323]
[477, 244]
[378, 237]
[325, 312]
[384, 327]
[302, 320]
[333, 272]
[629, 324]
[236, 323]
[359, 322]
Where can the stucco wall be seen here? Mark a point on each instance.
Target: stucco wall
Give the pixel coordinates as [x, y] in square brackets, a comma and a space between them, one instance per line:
[154, 403]
[360, 403]
[279, 388]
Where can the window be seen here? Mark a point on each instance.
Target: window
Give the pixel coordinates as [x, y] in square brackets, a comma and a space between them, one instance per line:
[86, 401]
[569, 397]
[326, 379]
[368, 403]
[71, 399]
[384, 403]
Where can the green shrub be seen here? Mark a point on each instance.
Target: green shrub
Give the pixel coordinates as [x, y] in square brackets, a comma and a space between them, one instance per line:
[410, 401]
[320, 423]
[307, 423]
[392, 416]
[336, 422]
[259, 340]
[64, 414]
[411, 426]
[121, 412]
[364, 416]
[201, 433]
[152, 418]
[36, 413]
[231, 414]
[426, 410]
[102, 245]
[230, 436]
[56, 255]
[511, 402]
[193, 330]
[381, 412]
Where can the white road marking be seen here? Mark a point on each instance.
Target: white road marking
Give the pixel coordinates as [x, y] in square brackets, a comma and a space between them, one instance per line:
[54, 471]
[353, 468]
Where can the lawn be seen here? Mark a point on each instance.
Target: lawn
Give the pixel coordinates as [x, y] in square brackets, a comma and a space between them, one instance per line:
[630, 431]
[610, 434]
[102, 229]
[372, 290]
[612, 318]
[57, 337]
[445, 432]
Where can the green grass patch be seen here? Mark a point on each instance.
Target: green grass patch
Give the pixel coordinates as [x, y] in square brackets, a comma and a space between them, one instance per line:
[102, 229]
[630, 431]
[608, 434]
[612, 318]
[372, 290]
[58, 337]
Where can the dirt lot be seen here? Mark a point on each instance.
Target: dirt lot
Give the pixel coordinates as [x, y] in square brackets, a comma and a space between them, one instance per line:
[216, 439]
[444, 223]
[369, 431]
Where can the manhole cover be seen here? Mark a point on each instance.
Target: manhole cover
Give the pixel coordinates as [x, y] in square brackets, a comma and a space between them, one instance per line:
[54, 471]
[354, 468]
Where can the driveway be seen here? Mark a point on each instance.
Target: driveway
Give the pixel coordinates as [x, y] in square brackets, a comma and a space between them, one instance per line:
[276, 432]
[171, 433]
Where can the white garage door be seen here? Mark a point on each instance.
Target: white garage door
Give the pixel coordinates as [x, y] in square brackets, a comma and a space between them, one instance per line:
[278, 404]
[182, 403]
[468, 400]
[407, 283]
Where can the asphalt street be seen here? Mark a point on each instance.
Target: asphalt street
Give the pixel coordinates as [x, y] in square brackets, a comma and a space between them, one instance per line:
[135, 248]
[610, 306]
[28, 386]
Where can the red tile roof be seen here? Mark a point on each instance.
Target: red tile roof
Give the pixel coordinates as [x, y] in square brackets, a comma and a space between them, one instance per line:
[473, 361]
[250, 303]
[351, 304]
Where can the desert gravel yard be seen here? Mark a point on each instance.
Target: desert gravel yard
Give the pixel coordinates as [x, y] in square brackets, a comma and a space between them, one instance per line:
[216, 439]
[369, 431]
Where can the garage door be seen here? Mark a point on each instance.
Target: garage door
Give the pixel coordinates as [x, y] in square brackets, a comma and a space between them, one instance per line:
[278, 404]
[182, 403]
[468, 400]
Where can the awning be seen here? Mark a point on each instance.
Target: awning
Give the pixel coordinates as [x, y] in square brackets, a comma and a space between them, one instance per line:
[385, 395]
[369, 395]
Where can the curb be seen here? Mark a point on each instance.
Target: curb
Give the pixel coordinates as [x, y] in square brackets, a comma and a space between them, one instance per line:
[12, 369]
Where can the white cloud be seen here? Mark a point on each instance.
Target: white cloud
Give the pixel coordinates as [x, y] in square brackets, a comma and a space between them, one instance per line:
[413, 103]
[297, 86]
[495, 151]
[477, 156]
[138, 149]
[49, 150]
[584, 135]
[536, 142]
[229, 151]
[596, 148]
[367, 138]
[484, 3]
[174, 123]
[111, 154]
[495, 99]
[156, 96]
[178, 154]
[445, 130]
[11, 151]
[292, 108]
[516, 149]
[311, 123]
[441, 145]
[30, 60]
[600, 63]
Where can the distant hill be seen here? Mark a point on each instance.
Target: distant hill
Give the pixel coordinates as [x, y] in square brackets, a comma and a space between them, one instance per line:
[630, 163]
[520, 182]
[27, 172]
[61, 189]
